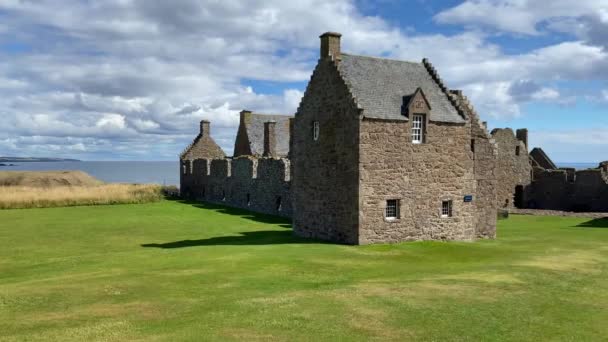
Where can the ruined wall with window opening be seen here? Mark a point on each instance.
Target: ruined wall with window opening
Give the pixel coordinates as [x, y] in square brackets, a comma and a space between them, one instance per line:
[258, 184]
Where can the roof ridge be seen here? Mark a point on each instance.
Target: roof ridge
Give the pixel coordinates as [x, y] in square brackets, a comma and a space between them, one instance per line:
[189, 147]
[435, 76]
[266, 114]
[380, 58]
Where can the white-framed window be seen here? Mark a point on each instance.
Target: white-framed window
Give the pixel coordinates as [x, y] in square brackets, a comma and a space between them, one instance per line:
[184, 169]
[417, 128]
[446, 209]
[315, 130]
[392, 209]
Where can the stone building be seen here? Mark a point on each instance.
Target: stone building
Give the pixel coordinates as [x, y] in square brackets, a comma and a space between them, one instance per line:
[533, 181]
[513, 171]
[566, 189]
[256, 132]
[379, 150]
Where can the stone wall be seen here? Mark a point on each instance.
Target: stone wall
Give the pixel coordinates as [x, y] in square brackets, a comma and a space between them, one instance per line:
[513, 168]
[569, 190]
[326, 175]
[257, 184]
[420, 176]
[486, 162]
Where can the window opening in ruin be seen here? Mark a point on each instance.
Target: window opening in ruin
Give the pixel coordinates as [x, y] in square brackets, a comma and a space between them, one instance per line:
[279, 204]
[223, 195]
[392, 209]
[446, 209]
[248, 199]
[315, 130]
[184, 169]
[418, 129]
[516, 150]
[473, 145]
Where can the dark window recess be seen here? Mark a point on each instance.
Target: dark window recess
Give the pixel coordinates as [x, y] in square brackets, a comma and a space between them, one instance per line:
[279, 205]
[473, 145]
[223, 195]
[518, 199]
[517, 150]
[248, 199]
[391, 211]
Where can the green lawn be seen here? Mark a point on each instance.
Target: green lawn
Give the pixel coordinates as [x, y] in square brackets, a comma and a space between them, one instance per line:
[177, 271]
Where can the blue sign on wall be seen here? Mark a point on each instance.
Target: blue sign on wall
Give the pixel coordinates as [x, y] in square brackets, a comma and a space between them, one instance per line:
[468, 198]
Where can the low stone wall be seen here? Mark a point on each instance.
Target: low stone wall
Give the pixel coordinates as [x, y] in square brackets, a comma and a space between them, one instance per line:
[257, 184]
[541, 212]
[569, 190]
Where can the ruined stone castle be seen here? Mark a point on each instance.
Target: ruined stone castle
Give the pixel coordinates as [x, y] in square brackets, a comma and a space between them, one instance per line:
[531, 180]
[379, 150]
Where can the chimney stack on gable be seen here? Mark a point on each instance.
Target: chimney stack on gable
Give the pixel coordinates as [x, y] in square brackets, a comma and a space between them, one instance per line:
[245, 115]
[269, 139]
[330, 45]
[522, 135]
[205, 127]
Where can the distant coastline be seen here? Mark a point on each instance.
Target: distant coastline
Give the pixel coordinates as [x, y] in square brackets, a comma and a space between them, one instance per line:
[31, 159]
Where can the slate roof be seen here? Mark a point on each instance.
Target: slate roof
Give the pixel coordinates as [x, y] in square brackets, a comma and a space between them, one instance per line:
[255, 133]
[380, 87]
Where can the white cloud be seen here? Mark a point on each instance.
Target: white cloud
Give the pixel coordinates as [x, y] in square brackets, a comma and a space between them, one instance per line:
[111, 121]
[139, 75]
[521, 16]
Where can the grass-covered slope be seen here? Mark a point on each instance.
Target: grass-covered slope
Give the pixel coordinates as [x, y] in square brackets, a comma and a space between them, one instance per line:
[42, 189]
[174, 271]
[47, 179]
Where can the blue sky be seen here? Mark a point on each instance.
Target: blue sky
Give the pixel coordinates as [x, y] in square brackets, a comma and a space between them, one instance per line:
[129, 80]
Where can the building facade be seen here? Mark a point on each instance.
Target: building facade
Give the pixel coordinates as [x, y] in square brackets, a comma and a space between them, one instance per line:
[378, 151]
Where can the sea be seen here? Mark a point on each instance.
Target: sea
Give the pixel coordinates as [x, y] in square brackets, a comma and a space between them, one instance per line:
[159, 172]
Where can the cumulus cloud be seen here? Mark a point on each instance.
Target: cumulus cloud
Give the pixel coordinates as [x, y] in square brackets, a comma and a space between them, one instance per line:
[125, 77]
[520, 16]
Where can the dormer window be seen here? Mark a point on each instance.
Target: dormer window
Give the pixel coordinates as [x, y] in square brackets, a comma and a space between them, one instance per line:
[418, 128]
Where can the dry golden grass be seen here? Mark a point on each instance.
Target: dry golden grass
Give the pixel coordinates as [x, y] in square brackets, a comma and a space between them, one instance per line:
[15, 197]
[47, 178]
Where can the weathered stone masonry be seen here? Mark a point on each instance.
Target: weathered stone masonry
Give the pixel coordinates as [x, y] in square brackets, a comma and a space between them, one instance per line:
[532, 180]
[349, 151]
[257, 184]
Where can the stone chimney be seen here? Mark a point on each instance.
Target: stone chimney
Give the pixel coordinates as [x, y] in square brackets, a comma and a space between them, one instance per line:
[269, 139]
[522, 135]
[205, 127]
[245, 115]
[330, 45]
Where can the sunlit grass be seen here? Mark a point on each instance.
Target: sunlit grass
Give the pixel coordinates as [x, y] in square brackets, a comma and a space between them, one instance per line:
[16, 197]
[174, 271]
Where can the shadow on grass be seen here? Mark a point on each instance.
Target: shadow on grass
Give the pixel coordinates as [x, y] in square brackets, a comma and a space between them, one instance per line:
[265, 237]
[246, 214]
[595, 223]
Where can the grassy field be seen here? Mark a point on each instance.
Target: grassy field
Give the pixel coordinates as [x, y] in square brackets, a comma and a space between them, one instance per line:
[178, 271]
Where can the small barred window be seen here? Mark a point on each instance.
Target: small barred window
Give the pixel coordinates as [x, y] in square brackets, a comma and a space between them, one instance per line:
[446, 209]
[392, 209]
